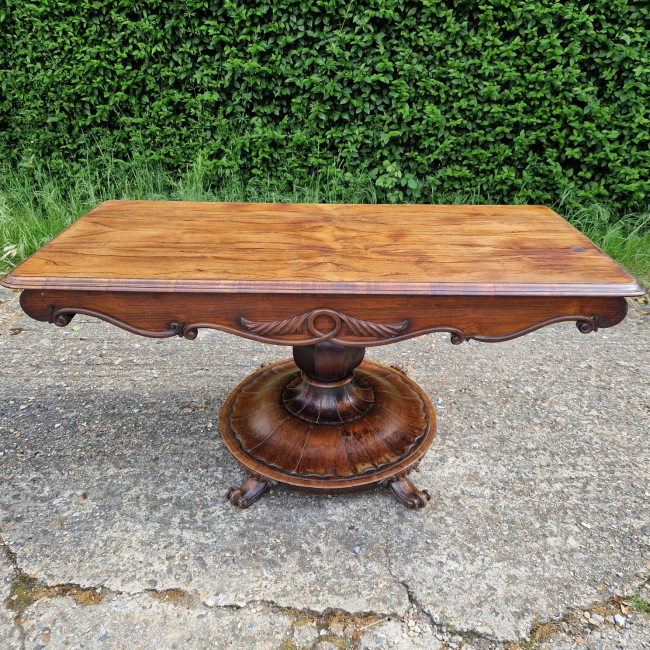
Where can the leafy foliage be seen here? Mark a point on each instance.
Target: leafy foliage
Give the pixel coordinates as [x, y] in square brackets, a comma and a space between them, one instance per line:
[519, 101]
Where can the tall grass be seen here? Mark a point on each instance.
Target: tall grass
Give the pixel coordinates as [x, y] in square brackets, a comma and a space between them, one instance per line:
[626, 237]
[36, 205]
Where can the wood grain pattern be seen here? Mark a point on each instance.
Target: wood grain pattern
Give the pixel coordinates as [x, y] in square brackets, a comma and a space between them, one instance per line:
[485, 318]
[325, 249]
[339, 453]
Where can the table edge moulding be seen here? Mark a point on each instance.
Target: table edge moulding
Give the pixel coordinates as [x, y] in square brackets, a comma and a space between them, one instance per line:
[326, 421]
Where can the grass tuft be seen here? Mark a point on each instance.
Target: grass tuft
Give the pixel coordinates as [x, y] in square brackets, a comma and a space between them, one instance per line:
[626, 238]
[639, 603]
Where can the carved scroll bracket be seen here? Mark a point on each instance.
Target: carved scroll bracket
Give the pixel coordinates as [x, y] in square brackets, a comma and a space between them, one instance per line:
[63, 318]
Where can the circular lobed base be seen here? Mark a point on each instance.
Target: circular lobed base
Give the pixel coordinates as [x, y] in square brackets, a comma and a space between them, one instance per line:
[364, 443]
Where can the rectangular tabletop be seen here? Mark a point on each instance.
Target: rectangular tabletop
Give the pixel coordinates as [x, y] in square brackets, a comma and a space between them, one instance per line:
[169, 246]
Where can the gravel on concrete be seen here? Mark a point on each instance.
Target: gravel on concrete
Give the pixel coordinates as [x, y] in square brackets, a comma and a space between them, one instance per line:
[580, 632]
[126, 622]
[113, 474]
[393, 634]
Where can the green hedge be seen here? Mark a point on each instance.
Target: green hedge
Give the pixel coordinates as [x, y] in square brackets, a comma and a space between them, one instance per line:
[513, 100]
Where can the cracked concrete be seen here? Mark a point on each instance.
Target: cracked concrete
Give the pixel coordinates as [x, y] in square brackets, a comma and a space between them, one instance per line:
[387, 631]
[142, 621]
[113, 476]
[600, 633]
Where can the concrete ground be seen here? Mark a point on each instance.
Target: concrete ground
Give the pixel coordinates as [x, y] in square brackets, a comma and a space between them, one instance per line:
[115, 532]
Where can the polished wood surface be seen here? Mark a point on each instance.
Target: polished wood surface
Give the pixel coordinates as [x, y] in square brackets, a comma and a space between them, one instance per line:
[287, 319]
[371, 427]
[324, 249]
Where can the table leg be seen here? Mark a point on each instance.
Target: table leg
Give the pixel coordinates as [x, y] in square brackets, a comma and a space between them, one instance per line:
[246, 495]
[405, 492]
[328, 422]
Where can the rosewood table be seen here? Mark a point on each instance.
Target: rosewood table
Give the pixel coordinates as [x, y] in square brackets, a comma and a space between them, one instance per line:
[330, 281]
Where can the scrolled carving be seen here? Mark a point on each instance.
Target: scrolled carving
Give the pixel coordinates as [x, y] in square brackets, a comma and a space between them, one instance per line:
[290, 331]
[457, 337]
[585, 325]
[62, 320]
[190, 333]
[588, 325]
[354, 327]
[246, 495]
[63, 317]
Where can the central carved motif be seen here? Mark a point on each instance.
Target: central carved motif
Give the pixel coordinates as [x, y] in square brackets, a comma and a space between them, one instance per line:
[354, 326]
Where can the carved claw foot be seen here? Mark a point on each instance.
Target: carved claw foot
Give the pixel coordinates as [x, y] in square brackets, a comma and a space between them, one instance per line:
[247, 494]
[407, 494]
